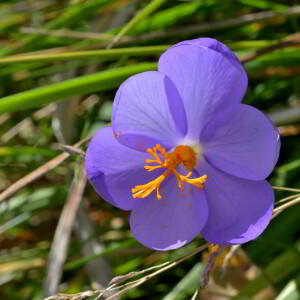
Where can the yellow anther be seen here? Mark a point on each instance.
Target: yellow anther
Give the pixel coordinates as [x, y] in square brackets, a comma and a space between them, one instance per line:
[143, 191]
[198, 182]
[170, 161]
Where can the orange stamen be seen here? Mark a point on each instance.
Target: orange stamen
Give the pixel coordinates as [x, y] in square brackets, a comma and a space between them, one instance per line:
[170, 161]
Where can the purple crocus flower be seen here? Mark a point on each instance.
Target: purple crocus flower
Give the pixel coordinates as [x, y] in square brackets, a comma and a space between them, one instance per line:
[184, 155]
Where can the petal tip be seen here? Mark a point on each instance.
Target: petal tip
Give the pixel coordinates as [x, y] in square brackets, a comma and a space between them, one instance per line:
[214, 45]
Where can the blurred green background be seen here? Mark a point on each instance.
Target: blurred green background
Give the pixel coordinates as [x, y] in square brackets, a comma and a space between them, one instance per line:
[61, 62]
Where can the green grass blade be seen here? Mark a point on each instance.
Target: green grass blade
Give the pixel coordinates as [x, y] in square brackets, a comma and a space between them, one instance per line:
[99, 54]
[187, 285]
[79, 86]
[144, 13]
[281, 267]
[69, 17]
[264, 4]
[16, 151]
[291, 290]
[168, 17]
[108, 250]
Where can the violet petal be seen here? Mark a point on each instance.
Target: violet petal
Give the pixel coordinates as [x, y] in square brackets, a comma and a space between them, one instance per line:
[114, 169]
[172, 221]
[239, 209]
[216, 46]
[241, 141]
[208, 77]
[148, 110]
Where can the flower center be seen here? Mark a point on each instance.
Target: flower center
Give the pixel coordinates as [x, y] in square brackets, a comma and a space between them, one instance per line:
[170, 161]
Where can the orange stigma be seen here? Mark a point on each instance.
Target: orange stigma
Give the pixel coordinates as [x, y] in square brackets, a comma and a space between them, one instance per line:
[170, 161]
